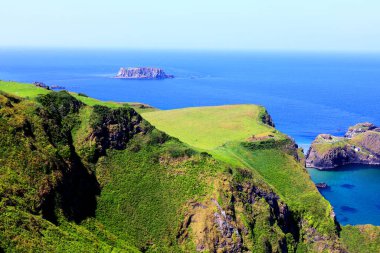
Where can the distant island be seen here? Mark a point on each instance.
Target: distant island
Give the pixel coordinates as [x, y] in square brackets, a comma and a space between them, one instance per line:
[360, 145]
[142, 73]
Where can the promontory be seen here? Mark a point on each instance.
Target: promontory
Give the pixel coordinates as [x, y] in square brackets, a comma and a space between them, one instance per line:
[360, 145]
[142, 73]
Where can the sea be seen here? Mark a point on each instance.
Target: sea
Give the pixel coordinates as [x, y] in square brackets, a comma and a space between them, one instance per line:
[306, 93]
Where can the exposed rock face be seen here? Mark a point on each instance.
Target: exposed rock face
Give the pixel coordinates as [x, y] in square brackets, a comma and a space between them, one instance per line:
[218, 228]
[358, 129]
[229, 226]
[114, 128]
[361, 145]
[321, 185]
[142, 73]
[267, 119]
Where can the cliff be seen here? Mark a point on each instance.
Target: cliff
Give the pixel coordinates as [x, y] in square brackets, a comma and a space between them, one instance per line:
[360, 145]
[76, 177]
[142, 73]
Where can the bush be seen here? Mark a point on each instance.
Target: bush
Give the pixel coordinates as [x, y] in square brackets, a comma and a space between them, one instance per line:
[82, 95]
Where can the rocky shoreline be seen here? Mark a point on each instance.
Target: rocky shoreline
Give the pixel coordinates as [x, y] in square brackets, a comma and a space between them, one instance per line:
[142, 73]
[360, 145]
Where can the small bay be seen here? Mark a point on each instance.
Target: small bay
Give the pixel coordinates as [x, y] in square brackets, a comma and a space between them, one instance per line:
[353, 191]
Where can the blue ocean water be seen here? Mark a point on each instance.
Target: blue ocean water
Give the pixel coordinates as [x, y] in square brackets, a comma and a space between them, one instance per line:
[306, 93]
[353, 192]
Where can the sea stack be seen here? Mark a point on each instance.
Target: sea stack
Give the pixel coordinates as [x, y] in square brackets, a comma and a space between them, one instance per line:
[360, 145]
[142, 73]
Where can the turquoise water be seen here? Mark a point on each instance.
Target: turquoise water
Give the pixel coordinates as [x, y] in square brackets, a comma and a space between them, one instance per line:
[306, 94]
[353, 192]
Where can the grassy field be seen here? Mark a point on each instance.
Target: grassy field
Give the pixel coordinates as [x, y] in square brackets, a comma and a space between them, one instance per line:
[26, 90]
[210, 127]
[151, 185]
[22, 89]
[221, 130]
[361, 239]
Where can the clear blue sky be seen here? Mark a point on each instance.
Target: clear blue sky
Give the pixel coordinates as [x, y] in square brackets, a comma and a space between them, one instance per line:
[345, 25]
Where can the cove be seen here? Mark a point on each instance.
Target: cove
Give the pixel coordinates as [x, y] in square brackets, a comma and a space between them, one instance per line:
[353, 192]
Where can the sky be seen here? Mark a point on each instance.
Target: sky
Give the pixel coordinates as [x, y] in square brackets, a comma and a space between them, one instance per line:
[320, 25]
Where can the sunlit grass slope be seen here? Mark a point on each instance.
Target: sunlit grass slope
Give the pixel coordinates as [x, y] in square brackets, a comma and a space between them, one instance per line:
[26, 90]
[22, 89]
[226, 132]
[211, 127]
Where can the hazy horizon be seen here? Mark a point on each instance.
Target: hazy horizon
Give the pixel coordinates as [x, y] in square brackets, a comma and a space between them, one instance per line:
[294, 25]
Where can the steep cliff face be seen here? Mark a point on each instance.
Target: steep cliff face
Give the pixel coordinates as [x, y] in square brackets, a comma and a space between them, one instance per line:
[266, 118]
[142, 73]
[80, 178]
[237, 221]
[238, 216]
[114, 128]
[361, 145]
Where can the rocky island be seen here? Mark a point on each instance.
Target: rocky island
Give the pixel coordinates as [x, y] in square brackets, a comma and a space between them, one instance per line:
[360, 145]
[142, 73]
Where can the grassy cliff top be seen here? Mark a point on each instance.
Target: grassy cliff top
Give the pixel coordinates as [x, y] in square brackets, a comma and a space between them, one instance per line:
[367, 141]
[237, 135]
[210, 127]
[154, 179]
[26, 90]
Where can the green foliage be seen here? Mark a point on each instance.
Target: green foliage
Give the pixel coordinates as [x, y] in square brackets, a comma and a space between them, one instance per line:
[82, 95]
[22, 90]
[154, 186]
[269, 156]
[48, 146]
[268, 144]
[210, 127]
[30, 233]
[361, 239]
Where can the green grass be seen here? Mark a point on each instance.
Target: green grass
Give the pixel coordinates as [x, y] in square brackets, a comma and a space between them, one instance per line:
[210, 127]
[145, 196]
[291, 181]
[22, 89]
[92, 101]
[323, 148]
[26, 90]
[361, 239]
[32, 145]
[31, 233]
[146, 188]
[221, 130]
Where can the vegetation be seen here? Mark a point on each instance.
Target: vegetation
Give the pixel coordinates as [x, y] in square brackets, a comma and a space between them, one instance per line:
[270, 157]
[210, 127]
[22, 89]
[81, 175]
[361, 239]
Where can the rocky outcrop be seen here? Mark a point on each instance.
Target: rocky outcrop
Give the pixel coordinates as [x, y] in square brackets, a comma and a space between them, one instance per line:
[113, 129]
[267, 119]
[360, 145]
[360, 128]
[142, 73]
[217, 227]
[230, 224]
[321, 185]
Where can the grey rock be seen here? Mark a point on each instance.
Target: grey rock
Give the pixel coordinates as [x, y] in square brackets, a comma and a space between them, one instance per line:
[142, 73]
[361, 145]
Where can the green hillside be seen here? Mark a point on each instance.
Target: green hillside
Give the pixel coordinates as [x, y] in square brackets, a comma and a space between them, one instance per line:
[81, 175]
[211, 127]
[247, 142]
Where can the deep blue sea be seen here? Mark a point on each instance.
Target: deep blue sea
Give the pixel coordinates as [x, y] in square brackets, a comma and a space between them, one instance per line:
[306, 94]
[353, 192]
